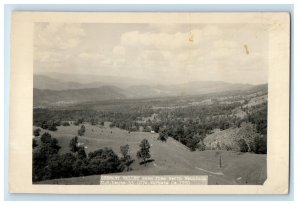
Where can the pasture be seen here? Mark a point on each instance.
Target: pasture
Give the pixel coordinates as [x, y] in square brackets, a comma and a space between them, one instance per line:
[169, 158]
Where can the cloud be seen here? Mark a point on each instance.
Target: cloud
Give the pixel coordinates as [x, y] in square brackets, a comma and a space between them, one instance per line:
[161, 52]
[119, 50]
[57, 35]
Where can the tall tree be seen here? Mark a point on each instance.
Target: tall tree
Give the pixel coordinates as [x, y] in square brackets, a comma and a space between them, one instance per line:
[126, 158]
[144, 152]
[73, 144]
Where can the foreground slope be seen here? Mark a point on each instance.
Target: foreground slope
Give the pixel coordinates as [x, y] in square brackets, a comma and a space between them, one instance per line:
[170, 158]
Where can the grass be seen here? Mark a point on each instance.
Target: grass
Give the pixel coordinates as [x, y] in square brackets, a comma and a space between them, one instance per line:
[170, 158]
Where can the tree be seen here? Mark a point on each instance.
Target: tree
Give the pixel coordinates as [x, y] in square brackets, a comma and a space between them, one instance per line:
[201, 145]
[144, 152]
[81, 153]
[46, 138]
[81, 131]
[94, 121]
[126, 158]
[125, 151]
[43, 156]
[36, 132]
[49, 125]
[248, 136]
[262, 145]
[155, 127]
[192, 142]
[242, 145]
[104, 161]
[163, 135]
[73, 144]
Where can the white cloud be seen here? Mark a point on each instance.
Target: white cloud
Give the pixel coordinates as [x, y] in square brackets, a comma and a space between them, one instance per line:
[119, 50]
[163, 52]
[57, 35]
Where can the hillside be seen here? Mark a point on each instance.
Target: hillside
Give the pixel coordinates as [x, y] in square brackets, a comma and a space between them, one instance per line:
[62, 97]
[169, 158]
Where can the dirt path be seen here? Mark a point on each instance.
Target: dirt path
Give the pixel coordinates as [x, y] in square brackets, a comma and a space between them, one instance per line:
[215, 173]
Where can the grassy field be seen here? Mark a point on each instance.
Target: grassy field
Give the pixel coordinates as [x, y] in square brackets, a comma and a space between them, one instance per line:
[170, 158]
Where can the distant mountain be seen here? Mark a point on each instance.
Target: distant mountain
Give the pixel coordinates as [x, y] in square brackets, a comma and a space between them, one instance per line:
[86, 80]
[63, 97]
[261, 87]
[50, 90]
[192, 88]
[45, 82]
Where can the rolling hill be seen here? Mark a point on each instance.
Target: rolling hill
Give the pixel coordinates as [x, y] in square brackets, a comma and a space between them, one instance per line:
[170, 158]
[62, 97]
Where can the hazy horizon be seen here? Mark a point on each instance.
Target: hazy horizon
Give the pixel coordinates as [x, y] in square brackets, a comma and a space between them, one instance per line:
[145, 81]
[154, 53]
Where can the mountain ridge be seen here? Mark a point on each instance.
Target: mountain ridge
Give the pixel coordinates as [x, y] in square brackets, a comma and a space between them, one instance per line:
[52, 91]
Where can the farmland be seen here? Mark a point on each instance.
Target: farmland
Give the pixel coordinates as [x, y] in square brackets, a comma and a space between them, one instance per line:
[169, 158]
[222, 135]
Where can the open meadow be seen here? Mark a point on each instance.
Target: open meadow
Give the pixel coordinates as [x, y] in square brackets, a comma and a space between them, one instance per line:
[167, 158]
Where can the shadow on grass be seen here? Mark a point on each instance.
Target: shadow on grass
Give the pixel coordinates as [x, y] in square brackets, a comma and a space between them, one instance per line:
[147, 161]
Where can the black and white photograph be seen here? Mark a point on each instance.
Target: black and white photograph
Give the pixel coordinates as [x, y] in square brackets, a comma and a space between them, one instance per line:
[149, 103]
[150, 99]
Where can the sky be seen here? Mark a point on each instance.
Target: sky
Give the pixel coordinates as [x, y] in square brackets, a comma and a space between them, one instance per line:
[156, 53]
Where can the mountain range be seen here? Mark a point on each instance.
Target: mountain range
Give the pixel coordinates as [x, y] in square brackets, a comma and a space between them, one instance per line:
[63, 90]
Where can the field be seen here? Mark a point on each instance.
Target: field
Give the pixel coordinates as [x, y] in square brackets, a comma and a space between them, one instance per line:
[169, 158]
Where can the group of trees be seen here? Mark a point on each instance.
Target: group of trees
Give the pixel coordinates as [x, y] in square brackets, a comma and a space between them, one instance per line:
[49, 125]
[248, 140]
[48, 163]
[187, 124]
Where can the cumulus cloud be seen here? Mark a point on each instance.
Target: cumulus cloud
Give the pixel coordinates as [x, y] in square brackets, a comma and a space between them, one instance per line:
[163, 52]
